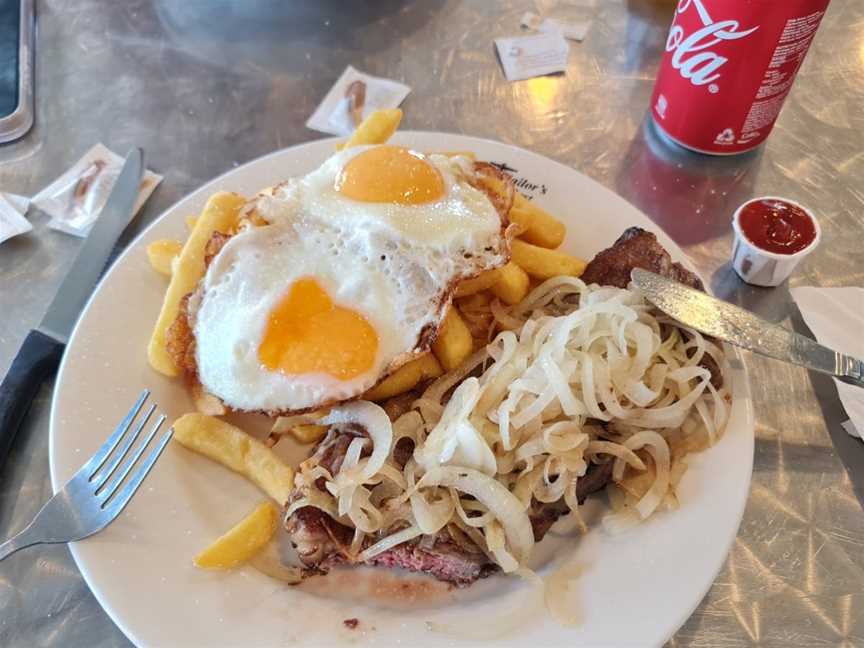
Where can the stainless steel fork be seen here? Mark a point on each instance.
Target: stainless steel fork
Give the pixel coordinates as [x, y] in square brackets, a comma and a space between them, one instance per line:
[93, 498]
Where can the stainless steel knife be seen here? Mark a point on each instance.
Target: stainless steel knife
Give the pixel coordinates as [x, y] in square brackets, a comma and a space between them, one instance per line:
[742, 328]
[42, 349]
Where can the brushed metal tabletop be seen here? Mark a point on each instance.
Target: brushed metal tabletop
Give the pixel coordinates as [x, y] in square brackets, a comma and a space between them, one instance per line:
[206, 86]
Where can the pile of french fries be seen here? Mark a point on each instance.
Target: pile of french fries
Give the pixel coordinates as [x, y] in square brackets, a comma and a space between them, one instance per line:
[535, 257]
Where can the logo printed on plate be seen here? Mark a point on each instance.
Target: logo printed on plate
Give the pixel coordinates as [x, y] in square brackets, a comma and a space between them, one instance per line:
[528, 187]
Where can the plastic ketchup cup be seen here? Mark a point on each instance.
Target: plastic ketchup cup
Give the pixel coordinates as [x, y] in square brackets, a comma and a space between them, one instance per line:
[772, 235]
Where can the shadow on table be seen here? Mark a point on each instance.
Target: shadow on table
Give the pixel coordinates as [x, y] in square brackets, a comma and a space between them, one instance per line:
[252, 31]
[850, 449]
[690, 195]
[772, 304]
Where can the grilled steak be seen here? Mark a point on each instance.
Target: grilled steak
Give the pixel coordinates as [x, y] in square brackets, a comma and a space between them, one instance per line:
[445, 560]
[635, 248]
[322, 543]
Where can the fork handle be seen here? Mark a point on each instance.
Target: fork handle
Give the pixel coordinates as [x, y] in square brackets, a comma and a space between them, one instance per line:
[37, 358]
[16, 542]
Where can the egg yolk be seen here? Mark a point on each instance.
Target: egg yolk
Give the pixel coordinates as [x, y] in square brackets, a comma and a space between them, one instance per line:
[307, 333]
[390, 174]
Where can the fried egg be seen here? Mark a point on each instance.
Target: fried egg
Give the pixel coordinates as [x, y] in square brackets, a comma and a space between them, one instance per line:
[348, 278]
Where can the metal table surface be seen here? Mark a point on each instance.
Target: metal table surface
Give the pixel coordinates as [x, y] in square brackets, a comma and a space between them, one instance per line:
[205, 86]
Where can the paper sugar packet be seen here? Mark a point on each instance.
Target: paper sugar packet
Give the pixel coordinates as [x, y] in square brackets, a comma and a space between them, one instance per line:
[353, 98]
[12, 220]
[836, 317]
[75, 199]
[524, 57]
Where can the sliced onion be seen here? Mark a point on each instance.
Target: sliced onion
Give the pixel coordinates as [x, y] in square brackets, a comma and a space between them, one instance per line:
[454, 440]
[356, 542]
[622, 452]
[503, 317]
[431, 517]
[477, 521]
[315, 499]
[506, 508]
[406, 426]
[364, 515]
[495, 542]
[658, 448]
[377, 425]
[389, 542]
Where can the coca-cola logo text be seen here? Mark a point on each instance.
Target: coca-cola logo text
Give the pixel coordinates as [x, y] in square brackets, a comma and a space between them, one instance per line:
[692, 56]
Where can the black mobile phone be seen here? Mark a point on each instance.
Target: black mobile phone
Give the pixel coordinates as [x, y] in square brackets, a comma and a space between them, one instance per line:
[17, 27]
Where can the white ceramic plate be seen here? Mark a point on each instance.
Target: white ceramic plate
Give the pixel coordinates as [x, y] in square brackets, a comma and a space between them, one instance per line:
[633, 589]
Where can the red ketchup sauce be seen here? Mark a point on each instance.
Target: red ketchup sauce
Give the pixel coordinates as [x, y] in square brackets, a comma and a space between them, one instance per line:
[777, 226]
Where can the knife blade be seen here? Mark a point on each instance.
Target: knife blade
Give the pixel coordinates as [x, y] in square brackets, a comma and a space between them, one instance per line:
[75, 289]
[42, 349]
[742, 328]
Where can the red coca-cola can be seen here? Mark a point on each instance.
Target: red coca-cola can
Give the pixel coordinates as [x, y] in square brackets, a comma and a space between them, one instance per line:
[728, 67]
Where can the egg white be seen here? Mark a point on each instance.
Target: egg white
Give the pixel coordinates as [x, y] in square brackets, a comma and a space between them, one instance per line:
[395, 265]
[463, 219]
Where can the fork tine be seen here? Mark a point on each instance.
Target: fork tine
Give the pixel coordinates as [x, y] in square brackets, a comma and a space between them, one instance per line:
[95, 463]
[104, 474]
[109, 490]
[123, 497]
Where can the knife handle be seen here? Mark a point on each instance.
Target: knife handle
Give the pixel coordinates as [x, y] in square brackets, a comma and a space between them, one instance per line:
[37, 358]
[850, 370]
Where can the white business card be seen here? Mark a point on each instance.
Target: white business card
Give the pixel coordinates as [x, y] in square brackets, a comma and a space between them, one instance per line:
[524, 57]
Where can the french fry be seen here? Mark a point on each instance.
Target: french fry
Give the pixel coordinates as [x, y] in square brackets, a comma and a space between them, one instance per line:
[234, 449]
[219, 215]
[161, 255]
[483, 281]
[478, 302]
[242, 541]
[539, 227]
[543, 263]
[308, 433]
[429, 366]
[377, 128]
[454, 342]
[477, 316]
[190, 221]
[406, 377]
[512, 284]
